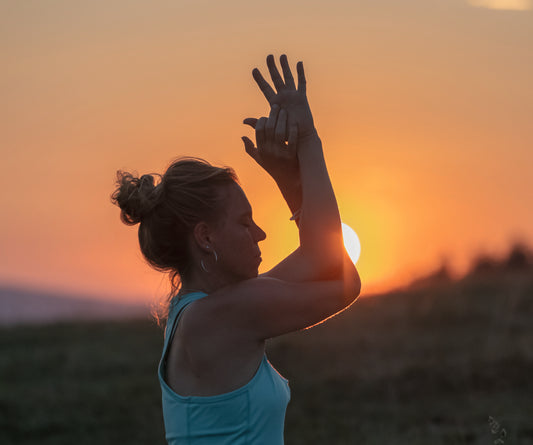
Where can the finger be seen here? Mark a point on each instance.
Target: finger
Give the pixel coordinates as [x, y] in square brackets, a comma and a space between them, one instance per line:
[302, 83]
[250, 147]
[251, 121]
[260, 132]
[281, 127]
[293, 137]
[270, 125]
[289, 80]
[274, 73]
[264, 86]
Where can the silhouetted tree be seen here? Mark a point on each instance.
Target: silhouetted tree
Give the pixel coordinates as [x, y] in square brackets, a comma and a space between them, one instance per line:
[519, 258]
[439, 276]
[484, 264]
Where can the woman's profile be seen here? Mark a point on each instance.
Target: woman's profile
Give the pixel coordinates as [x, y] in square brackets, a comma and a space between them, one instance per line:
[196, 224]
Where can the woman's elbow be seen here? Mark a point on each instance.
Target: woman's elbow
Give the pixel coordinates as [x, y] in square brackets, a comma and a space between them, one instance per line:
[326, 257]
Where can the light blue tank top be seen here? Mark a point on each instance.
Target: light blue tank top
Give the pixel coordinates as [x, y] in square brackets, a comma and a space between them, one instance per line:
[253, 414]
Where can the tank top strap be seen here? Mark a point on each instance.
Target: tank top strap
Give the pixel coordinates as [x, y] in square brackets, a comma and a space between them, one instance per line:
[177, 306]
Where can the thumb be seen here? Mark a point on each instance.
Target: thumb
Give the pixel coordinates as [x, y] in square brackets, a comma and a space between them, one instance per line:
[251, 121]
[250, 148]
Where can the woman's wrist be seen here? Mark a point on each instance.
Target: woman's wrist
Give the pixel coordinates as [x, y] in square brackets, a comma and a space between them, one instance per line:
[288, 179]
[293, 197]
[291, 189]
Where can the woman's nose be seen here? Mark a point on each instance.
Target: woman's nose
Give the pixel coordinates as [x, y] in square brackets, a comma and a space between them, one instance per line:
[261, 235]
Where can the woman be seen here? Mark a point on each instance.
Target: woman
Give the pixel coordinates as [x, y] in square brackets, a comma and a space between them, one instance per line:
[217, 385]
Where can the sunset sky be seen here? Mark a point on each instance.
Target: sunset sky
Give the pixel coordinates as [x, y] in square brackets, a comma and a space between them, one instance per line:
[424, 107]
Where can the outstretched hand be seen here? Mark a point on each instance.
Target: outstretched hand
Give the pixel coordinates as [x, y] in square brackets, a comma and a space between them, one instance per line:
[286, 95]
[290, 121]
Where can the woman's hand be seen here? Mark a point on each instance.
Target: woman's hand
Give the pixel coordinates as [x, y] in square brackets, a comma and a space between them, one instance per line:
[272, 153]
[290, 121]
[287, 96]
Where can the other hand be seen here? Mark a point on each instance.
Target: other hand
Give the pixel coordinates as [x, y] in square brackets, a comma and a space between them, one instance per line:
[278, 158]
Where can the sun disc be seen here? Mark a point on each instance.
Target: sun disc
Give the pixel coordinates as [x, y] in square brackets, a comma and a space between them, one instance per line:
[351, 243]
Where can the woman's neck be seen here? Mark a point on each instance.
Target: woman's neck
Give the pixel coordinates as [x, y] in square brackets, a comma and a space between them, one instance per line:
[204, 282]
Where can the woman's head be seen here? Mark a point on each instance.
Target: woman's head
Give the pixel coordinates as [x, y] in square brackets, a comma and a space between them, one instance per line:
[235, 240]
[191, 191]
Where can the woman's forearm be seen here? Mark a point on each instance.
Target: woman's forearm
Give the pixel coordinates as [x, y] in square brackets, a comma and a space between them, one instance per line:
[320, 222]
[291, 189]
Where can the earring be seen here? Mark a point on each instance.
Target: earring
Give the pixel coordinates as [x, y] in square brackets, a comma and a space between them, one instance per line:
[214, 253]
[202, 261]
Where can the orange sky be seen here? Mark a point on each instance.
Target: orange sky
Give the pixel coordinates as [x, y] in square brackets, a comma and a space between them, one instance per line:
[424, 108]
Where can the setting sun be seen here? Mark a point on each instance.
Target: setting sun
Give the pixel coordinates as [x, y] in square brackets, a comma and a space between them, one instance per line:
[351, 242]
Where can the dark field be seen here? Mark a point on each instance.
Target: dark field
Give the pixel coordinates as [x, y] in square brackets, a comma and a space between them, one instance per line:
[444, 365]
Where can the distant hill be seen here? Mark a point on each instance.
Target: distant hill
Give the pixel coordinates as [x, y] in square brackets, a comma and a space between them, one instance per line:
[23, 306]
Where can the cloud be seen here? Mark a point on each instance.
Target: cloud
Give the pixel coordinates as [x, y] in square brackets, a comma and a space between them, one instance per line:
[513, 5]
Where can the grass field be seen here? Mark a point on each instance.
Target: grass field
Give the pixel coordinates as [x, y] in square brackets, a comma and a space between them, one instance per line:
[443, 365]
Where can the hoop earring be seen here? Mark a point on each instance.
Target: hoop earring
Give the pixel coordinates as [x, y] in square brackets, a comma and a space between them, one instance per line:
[202, 261]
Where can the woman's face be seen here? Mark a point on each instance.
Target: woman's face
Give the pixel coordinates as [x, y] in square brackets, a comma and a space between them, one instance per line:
[236, 238]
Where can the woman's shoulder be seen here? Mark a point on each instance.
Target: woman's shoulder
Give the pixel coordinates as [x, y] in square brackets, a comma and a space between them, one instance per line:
[220, 306]
[265, 307]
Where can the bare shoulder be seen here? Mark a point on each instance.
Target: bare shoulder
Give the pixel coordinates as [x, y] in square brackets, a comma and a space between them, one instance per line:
[265, 307]
[219, 308]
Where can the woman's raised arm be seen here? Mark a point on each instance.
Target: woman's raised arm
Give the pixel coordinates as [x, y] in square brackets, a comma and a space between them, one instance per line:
[318, 279]
[321, 248]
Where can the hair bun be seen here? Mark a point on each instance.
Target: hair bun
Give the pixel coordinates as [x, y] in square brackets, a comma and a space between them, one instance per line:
[135, 196]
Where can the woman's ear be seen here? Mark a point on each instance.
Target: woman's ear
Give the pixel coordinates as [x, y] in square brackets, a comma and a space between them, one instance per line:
[202, 235]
